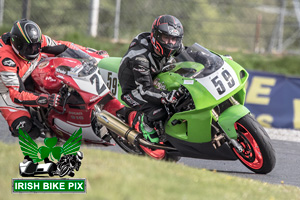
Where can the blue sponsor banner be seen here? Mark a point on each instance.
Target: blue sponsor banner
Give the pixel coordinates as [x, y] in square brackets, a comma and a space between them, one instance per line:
[274, 99]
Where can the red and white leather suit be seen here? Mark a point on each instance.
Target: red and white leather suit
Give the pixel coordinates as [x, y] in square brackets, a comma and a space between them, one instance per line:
[13, 72]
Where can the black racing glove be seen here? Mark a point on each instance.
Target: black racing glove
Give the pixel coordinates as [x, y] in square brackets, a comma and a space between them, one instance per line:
[99, 52]
[52, 100]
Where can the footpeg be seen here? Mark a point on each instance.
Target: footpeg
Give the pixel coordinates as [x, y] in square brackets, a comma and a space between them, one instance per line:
[218, 141]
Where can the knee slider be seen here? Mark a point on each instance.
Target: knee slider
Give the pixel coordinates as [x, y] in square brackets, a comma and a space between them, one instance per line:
[26, 125]
[22, 122]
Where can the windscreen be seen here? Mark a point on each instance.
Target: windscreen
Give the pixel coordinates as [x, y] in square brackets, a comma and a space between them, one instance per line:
[197, 53]
[75, 52]
[87, 67]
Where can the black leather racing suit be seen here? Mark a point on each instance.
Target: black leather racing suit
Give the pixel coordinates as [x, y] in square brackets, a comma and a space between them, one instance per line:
[137, 69]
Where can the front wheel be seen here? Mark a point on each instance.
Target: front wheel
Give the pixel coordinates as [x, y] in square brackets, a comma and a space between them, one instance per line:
[258, 154]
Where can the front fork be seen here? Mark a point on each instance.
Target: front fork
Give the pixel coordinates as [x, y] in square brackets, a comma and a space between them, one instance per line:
[218, 140]
[225, 125]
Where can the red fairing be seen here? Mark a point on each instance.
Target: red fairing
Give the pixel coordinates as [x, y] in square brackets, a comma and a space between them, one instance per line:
[44, 74]
[49, 77]
[131, 117]
[113, 106]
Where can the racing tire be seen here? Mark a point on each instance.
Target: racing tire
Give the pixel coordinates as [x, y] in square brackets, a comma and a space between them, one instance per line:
[258, 154]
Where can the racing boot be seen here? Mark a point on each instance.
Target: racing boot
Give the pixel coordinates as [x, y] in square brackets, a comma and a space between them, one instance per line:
[149, 133]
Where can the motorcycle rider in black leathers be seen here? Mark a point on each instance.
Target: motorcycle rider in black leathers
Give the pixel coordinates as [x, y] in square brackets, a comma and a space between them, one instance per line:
[147, 54]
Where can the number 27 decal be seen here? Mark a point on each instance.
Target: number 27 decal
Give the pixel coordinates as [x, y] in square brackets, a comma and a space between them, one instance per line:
[96, 80]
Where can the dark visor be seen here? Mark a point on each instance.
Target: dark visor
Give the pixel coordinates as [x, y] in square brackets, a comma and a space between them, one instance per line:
[30, 51]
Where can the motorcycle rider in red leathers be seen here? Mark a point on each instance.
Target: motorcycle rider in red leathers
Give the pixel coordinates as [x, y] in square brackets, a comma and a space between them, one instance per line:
[20, 52]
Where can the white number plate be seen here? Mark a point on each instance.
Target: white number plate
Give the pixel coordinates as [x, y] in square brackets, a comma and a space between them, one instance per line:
[221, 82]
[111, 80]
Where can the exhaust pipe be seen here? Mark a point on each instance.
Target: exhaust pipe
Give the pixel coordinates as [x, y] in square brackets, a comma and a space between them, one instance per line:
[122, 129]
[117, 126]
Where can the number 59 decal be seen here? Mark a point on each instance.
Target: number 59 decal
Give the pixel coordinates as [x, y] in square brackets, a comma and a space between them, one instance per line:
[221, 82]
[111, 80]
[112, 83]
[220, 85]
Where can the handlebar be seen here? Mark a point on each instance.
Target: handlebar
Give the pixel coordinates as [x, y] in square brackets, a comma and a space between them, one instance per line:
[180, 103]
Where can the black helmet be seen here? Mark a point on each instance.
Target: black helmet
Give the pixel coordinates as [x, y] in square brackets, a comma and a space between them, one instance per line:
[166, 28]
[79, 155]
[26, 39]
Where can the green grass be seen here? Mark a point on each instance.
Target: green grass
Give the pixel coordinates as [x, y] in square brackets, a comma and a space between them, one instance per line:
[117, 176]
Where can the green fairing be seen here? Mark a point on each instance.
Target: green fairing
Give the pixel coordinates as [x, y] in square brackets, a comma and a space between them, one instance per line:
[110, 63]
[196, 123]
[197, 128]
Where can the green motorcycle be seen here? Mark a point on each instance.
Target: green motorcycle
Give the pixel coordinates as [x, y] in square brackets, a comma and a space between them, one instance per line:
[209, 121]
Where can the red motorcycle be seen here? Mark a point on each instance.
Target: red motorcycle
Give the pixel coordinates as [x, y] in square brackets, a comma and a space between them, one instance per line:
[75, 76]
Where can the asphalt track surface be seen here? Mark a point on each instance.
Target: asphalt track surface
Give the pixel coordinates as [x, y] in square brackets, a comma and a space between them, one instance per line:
[286, 171]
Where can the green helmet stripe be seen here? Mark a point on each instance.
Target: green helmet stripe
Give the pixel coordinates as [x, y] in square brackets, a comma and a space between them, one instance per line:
[21, 30]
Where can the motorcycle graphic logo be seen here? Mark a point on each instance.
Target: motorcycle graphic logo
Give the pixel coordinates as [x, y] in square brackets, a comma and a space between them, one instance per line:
[68, 156]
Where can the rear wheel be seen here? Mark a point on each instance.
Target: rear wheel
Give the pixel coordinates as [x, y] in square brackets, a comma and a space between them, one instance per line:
[157, 154]
[258, 154]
